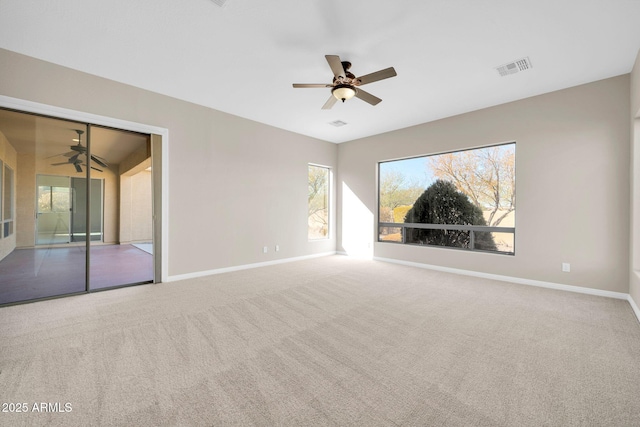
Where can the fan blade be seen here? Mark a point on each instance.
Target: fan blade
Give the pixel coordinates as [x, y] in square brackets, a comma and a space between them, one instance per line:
[59, 164]
[96, 169]
[303, 85]
[98, 161]
[367, 97]
[336, 65]
[74, 158]
[78, 148]
[330, 103]
[102, 159]
[78, 168]
[61, 154]
[378, 75]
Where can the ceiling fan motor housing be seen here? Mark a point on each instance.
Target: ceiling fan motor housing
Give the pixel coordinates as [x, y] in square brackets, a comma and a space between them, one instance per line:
[76, 151]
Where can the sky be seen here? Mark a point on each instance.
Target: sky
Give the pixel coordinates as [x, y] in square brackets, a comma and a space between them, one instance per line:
[417, 169]
[414, 169]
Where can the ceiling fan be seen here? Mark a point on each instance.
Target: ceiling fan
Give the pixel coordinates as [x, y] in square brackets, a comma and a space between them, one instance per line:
[346, 85]
[74, 156]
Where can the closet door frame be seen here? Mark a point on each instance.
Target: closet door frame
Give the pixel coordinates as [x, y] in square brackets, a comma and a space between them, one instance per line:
[160, 177]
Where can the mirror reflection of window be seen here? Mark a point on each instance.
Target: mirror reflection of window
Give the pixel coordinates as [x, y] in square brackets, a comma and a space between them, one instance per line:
[7, 203]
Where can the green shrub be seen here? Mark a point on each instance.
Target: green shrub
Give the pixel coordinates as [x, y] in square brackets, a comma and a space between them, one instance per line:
[442, 203]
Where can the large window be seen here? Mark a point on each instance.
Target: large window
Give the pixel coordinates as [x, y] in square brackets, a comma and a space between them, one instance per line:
[318, 202]
[53, 199]
[464, 199]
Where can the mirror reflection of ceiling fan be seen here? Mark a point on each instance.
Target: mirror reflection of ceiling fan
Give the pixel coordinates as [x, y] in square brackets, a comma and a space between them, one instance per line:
[76, 152]
[346, 85]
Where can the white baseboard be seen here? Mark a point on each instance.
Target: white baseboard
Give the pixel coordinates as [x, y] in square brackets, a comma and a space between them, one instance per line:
[244, 267]
[634, 306]
[510, 279]
[521, 281]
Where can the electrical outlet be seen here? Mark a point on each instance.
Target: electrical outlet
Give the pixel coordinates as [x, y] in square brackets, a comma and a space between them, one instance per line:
[265, 249]
[566, 267]
[277, 248]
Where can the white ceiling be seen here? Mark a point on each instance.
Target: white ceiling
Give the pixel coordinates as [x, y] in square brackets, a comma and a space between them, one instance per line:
[242, 58]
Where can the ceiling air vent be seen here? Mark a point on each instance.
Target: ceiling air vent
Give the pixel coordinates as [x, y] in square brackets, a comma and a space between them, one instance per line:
[514, 67]
[337, 123]
[219, 2]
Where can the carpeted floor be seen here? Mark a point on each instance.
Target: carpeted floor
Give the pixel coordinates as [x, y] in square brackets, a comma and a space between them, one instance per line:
[326, 342]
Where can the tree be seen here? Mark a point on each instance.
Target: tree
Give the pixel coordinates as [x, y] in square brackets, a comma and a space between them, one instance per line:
[396, 190]
[486, 176]
[442, 203]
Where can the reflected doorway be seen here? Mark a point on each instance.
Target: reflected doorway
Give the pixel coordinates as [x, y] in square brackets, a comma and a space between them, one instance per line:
[62, 209]
[79, 210]
[67, 237]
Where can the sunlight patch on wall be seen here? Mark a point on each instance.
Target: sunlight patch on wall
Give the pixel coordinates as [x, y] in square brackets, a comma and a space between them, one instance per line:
[357, 225]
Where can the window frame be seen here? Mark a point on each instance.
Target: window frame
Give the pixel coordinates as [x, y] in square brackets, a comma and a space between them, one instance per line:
[7, 221]
[329, 226]
[51, 191]
[472, 228]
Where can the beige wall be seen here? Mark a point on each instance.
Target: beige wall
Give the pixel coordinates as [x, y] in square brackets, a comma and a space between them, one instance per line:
[234, 185]
[136, 207]
[572, 175]
[9, 157]
[634, 286]
[141, 212]
[26, 201]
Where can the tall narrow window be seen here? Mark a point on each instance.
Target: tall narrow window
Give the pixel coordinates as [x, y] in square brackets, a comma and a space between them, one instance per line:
[7, 203]
[318, 219]
[1, 197]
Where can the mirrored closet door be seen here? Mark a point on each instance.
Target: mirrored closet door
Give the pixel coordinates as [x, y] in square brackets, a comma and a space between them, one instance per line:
[75, 207]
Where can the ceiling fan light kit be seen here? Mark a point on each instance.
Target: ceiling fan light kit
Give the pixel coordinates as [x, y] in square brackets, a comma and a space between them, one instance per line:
[343, 92]
[346, 85]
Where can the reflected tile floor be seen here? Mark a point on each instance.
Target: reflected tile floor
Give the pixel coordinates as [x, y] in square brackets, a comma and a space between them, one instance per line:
[27, 274]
